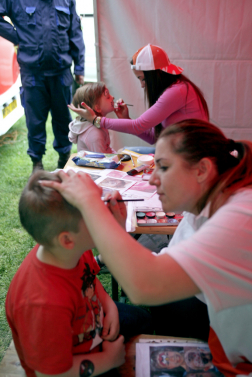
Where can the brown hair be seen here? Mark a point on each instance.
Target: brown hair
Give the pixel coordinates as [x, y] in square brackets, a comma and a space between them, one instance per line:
[89, 93]
[43, 211]
[195, 139]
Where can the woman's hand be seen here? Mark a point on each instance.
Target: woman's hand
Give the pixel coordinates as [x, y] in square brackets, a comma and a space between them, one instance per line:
[121, 109]
[76, 188]
[118, 209]
[86, 113]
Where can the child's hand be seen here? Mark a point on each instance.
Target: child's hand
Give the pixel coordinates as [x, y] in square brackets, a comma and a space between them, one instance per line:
[115, 351]
[111, 324]
[86, 113]
[118, 209]
[121, 109]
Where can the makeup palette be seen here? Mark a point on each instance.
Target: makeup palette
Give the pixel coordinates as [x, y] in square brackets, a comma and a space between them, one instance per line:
[157, 218]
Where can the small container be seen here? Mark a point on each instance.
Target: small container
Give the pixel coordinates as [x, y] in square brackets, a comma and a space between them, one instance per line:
[145, 160]
[160, 215]
[179, 216]
[137, 169]
[170, 215]
[150, 215]
[140, 215]
[162, 221]
[172, 222]
[151, 221]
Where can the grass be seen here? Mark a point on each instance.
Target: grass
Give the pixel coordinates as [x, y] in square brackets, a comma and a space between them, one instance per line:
[15, 243]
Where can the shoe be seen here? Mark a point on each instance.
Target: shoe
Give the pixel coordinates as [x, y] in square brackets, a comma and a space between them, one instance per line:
[63, 158]
[37, 165]
[103, 267]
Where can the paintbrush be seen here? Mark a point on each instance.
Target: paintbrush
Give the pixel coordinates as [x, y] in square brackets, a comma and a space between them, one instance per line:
[125, 200]
[122, 104]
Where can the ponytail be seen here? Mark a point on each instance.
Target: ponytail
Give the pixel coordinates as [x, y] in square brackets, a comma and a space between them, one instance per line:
[235, 178]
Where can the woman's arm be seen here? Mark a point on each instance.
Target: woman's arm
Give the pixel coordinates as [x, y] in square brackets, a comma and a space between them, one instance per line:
[173, 99]
[148, 136]
[146, 279]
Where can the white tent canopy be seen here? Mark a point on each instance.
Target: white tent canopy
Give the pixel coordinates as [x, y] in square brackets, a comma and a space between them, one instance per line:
[210, 39]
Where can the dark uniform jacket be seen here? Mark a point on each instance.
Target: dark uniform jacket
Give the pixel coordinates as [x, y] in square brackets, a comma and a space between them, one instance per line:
[49, 36]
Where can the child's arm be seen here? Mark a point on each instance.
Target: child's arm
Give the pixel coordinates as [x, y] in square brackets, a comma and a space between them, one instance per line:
[93, 364]
[111, 324]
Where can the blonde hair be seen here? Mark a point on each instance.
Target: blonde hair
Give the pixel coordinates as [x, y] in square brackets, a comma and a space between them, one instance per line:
[195, 139]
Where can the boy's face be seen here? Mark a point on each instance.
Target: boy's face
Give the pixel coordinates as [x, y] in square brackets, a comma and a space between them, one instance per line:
[83, 240]
[106, 103]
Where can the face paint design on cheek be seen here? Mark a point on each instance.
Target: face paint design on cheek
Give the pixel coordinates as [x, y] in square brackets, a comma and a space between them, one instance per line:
[86, 368]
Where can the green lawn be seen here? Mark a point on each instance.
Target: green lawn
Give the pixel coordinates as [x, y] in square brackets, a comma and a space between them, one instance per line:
[15, 243]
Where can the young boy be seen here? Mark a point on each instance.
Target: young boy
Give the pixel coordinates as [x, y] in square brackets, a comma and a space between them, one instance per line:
[63, 322]
[85, 134]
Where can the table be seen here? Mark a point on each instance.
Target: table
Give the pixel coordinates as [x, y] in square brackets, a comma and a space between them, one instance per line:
[126, 166]
[167, 230]
[10, 365]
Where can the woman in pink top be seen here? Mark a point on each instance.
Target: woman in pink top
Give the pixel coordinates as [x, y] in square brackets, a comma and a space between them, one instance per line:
[171, 96]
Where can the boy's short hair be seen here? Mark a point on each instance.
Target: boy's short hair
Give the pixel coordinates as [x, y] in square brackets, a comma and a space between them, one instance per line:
[43, 211]
[89, 93]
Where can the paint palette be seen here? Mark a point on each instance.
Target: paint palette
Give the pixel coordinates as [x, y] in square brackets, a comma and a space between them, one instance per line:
[157, 218]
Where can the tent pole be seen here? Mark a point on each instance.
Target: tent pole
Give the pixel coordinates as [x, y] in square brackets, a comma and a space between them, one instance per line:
[97, 42]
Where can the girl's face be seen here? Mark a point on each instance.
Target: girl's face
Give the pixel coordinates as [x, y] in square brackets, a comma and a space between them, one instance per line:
[176, 182]
[106, 103]
[140, 76]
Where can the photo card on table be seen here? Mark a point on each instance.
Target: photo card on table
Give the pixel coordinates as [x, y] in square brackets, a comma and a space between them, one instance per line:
[174, 359]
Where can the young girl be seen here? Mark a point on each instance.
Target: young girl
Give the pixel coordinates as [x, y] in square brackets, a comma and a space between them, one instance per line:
[84, 133]
[196, 172]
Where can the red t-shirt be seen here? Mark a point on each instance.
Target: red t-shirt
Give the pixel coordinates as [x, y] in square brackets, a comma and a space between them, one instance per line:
[54, 313]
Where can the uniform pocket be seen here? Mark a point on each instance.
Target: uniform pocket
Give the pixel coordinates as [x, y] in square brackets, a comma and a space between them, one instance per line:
[28, 55]
[62, 17]
[31, 15]
[64, 44]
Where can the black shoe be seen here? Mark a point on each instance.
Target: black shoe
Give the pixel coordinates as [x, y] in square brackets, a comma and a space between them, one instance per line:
[63, 158]
[37, 165]
[103, 267]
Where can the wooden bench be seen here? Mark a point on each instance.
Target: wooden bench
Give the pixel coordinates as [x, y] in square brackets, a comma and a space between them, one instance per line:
[10, 365]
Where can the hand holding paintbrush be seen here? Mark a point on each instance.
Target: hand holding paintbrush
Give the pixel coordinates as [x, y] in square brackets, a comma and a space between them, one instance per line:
[121, 109]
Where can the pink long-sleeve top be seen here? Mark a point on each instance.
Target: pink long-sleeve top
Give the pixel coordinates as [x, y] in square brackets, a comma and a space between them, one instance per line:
[179, 102]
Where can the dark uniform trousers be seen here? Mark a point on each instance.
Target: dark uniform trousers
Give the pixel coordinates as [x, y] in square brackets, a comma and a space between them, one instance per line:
[50, 95]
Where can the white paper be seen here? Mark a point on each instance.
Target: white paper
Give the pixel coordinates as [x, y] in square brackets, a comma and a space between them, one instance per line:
[141, 190]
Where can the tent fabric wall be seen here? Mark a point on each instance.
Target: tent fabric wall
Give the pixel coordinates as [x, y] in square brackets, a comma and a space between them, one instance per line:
[210, 39]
